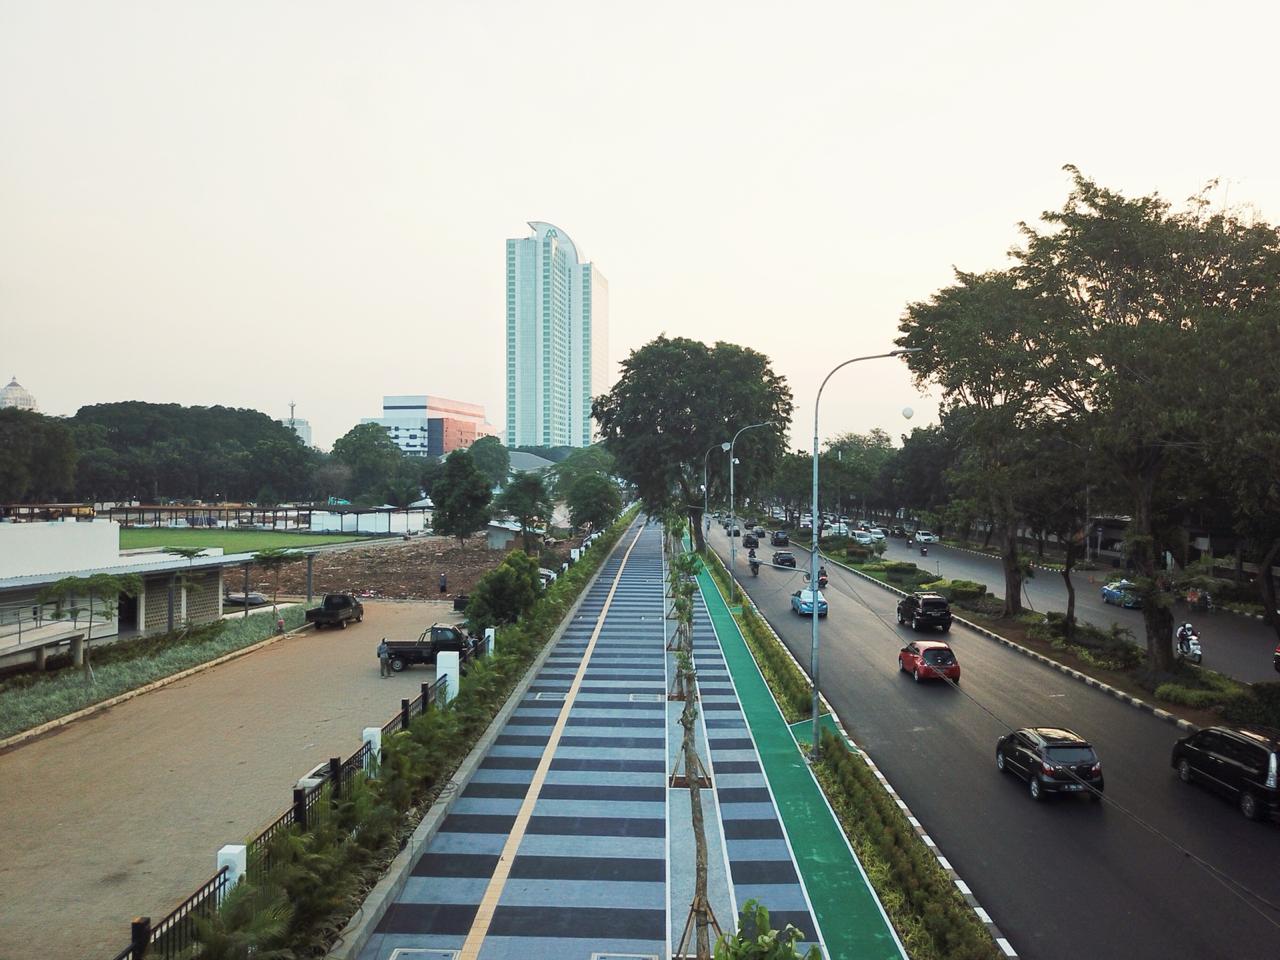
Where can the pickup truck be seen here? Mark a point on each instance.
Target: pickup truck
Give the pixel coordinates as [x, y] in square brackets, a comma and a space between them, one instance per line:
[437, 637]
[336, 610]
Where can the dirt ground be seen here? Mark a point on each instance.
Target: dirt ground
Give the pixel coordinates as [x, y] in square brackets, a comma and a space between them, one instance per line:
[404, 570]
[121, 814]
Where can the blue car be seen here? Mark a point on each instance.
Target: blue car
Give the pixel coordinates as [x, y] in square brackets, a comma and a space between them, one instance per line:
[1123, 594]
[802, 603]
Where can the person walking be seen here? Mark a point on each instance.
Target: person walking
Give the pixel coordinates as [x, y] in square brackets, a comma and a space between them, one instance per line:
[384, 658]
[444, 583]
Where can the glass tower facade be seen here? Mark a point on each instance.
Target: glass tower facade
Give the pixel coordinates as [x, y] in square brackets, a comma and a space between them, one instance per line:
[557, 340]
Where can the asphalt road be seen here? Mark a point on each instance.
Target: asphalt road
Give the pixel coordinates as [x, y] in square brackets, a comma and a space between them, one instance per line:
[1065, 878]
[1240, 647]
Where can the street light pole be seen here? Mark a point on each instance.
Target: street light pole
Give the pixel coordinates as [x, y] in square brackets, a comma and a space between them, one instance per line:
[705, 504]
[733, 516]
[816, 524]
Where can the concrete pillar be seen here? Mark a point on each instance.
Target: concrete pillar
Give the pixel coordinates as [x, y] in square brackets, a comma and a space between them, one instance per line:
[236, 857]
[311, 562]
[447, 668]
[42, 654]
[575, 554]
[77, 651]
[490, 640]
[373, 737]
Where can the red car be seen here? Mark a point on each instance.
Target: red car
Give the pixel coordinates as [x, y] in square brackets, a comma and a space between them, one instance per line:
[929, 660]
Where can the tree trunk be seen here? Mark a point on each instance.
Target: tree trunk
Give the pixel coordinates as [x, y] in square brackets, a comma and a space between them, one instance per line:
[695, 521]
[986, 539]
[1069, 562]
[1267, 586]
[701, 920]
[1157, 618]
[1012, 570]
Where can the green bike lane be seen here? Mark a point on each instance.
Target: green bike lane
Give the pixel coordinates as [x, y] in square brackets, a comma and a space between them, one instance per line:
[845, 907]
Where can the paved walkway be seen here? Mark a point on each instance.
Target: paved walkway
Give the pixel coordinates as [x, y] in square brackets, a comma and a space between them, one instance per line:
[122, 813]
[569, 842]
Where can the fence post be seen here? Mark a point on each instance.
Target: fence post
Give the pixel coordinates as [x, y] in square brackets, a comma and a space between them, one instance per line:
[404, 713]
[235, 857]
[335, 779]
[447, 663]
[373, 737]
[490, 640]
[426, 696]
[140, 936]
[300, 806]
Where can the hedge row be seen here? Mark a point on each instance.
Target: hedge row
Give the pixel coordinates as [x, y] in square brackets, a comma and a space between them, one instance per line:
[791, 688]
[931, 916]
[317, 878]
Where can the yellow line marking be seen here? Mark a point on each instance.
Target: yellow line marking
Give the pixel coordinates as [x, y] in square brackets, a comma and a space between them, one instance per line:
[493, 892]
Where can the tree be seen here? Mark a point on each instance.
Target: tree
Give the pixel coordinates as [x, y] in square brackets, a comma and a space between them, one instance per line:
[273, 560]
[103, 589]
[38, 457]
[593, 499]
[505, 593]
[461, 496]
[371, 456]
[491, 459]
[757, 939]
[678, 397]
[592, 460]
[184, 580]
[525, 498]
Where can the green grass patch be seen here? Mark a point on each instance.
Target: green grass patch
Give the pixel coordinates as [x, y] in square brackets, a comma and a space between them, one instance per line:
[232, 541]
[30, 699]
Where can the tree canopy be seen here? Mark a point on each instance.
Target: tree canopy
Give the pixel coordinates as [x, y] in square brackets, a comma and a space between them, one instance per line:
[526, 499]
[491, 459]
[461, 495]
[593, 499]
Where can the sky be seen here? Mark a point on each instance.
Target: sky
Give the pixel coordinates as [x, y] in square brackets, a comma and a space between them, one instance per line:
[249, 202]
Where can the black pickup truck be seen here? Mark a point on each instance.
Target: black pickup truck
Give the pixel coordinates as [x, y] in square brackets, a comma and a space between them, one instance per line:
[336, 610]
[437, 637]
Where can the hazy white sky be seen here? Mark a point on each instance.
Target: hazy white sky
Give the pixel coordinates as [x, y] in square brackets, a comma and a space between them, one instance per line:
[252, 202]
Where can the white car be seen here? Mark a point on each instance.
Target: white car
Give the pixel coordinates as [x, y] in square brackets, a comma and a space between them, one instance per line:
[876, 533]
[924, 536]
[863, 538]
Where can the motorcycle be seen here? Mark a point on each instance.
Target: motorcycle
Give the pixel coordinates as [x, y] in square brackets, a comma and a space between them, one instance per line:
[924, 549]
[755, 568]
[1188, 644]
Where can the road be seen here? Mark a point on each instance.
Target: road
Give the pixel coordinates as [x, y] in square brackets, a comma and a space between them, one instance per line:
[121, 814]
[1065, 878]
[1240, 647]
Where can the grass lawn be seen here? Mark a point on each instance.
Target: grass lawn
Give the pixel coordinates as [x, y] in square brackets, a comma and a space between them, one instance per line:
[232, 541]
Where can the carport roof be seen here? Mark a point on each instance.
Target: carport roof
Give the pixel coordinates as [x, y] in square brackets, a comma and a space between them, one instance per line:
[167, 565]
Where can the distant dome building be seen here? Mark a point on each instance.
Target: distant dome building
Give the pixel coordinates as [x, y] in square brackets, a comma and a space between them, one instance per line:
[15, 396]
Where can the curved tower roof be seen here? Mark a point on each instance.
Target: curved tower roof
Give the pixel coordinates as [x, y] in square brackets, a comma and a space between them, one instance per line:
[17, 397]
[541, 229]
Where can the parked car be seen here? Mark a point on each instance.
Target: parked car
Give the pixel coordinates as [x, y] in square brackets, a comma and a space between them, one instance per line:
[802, 603]
[923, 610]
[1122, 594]
[1238, 762]
[1051, 760]
[925, 536]
[779, 539]
[253, 599]
[784, 558]
[336, 610]
[750, 541]
[434, 639]
[929, 660]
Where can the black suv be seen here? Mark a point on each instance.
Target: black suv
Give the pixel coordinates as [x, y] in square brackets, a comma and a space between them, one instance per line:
[750, 541]
[925, 610]
[779, 539]
[1051, 760]
[783, 558]
[1240, 762]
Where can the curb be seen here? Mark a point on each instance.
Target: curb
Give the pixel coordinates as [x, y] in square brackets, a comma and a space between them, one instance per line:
[19, 738]
[985, 918]
[357, 933]
[1133, 701]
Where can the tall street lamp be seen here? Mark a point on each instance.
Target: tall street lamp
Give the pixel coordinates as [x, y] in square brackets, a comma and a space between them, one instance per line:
[733, 517]
[816, 524]
[725, 447]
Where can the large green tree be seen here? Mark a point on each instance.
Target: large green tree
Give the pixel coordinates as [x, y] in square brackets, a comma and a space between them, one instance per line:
[526, 499]
[371, 456]
[491, 459]
[37, 457]
[461, 496]
[593, 499]
[592, 460]
[677, 397]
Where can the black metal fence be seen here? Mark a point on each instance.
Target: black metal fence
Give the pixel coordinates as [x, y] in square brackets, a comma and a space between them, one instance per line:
[168, 939]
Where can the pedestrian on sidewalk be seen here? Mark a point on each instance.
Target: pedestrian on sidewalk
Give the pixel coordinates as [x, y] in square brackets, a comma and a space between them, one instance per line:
[444, 584]
[384, 658]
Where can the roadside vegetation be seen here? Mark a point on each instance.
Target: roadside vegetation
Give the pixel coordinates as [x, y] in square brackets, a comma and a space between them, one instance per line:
[30, 699]
[231, 541]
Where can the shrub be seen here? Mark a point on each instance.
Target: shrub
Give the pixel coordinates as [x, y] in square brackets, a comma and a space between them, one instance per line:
[966, 590]
[1260, 706]
[505, 593]
[857, 553]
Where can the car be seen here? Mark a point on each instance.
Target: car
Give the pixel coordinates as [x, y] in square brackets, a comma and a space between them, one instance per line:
[863, 538]
[750, 541]
[784, 558]
[922, 610]
[802, 603]
[1238, 762]
[899, 532]
[1121, 593]
[779, 539]
[876, 534]
[1051, 760]
[336, 610]
[735, 532]
[758, 531]
[925, 536]
[929, 660]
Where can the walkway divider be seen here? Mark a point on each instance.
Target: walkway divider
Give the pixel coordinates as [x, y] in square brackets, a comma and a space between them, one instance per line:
[852, 921]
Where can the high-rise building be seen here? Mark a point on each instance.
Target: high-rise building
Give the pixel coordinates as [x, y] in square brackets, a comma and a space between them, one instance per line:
[17, 397]
[557, 340]
[299, 426]
[427, 426]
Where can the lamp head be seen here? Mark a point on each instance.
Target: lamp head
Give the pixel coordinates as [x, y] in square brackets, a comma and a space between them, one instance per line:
[904, 351]
[725, 446]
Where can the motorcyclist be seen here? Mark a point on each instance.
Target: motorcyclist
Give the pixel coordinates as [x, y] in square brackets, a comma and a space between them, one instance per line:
[1184, 634]
[822, 576]
[755, 567]
[751, 554]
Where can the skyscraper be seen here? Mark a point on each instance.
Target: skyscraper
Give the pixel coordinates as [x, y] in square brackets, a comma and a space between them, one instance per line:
[557, 340]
